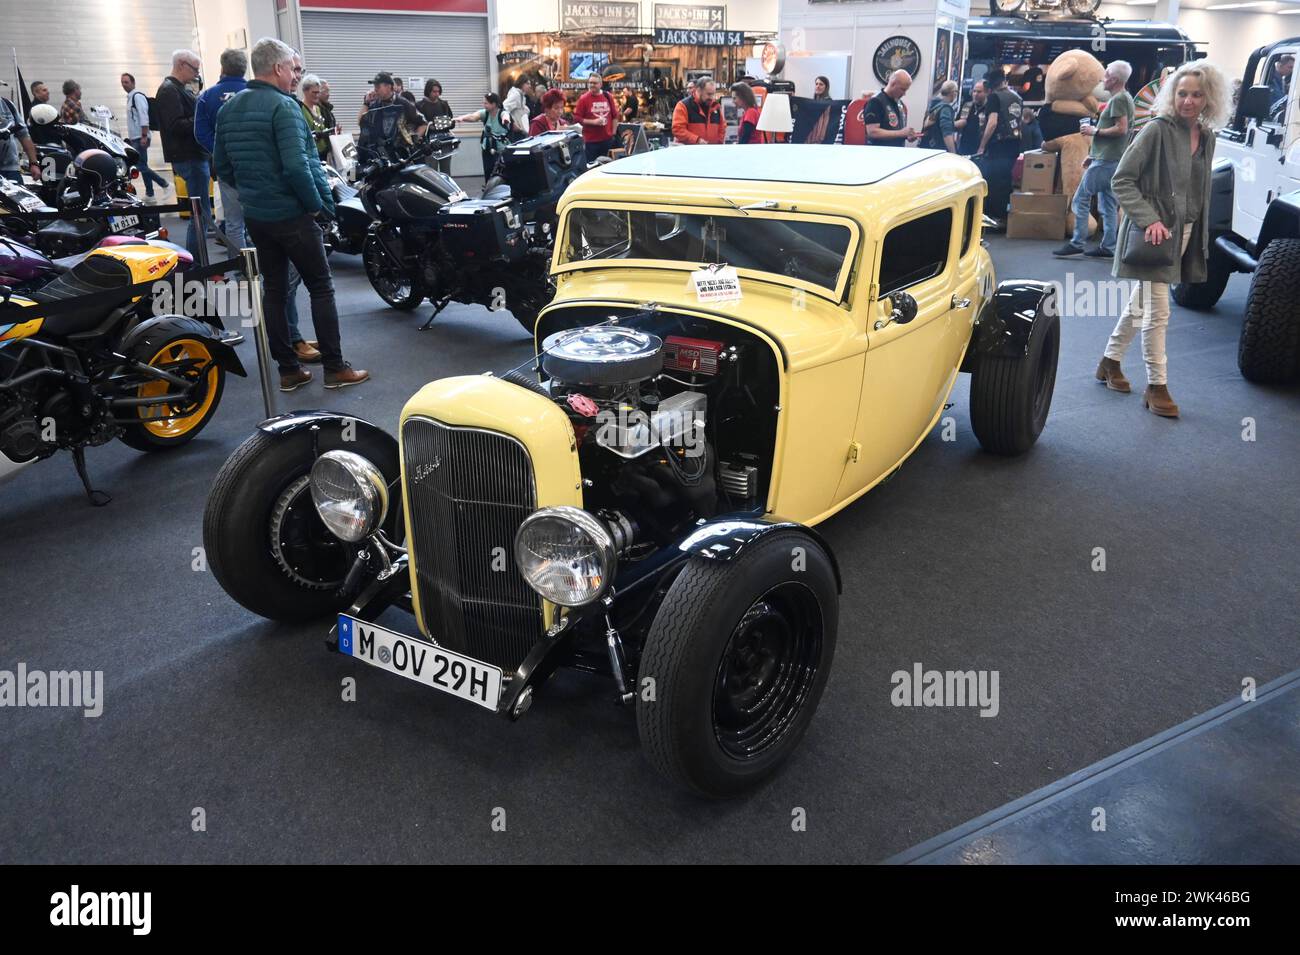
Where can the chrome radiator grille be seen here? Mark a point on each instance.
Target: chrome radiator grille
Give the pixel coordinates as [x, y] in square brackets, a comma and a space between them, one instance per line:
[469, 490]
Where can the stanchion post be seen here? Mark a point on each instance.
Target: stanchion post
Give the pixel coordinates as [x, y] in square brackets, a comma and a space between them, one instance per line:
[199, 218]
[264, 361]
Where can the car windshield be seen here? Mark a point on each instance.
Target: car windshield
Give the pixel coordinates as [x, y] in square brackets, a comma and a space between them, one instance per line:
[814, 252]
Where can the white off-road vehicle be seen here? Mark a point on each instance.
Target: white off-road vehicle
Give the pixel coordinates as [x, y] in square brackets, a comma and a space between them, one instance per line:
[1255, 216]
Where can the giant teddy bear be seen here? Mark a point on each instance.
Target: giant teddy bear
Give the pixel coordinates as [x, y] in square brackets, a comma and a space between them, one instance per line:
[1073, 85]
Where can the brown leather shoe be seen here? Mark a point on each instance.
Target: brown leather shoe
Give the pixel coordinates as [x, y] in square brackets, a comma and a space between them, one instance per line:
[294, 380]
[307, 352]
[1158, 400]
[347, 375]
[1109, 372]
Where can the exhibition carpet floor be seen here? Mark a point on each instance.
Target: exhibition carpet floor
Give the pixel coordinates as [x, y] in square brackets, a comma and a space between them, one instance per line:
[962, 561]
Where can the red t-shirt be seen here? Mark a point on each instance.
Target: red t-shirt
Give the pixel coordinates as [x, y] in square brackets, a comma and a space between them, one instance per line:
[598, 105]
[540, 124]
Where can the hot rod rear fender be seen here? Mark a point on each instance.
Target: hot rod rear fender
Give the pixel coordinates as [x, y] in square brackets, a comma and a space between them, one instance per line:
[1007, 318]
[724, 538]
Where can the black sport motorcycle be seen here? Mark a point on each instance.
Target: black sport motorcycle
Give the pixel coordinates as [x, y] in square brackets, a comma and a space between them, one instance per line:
[431, 240]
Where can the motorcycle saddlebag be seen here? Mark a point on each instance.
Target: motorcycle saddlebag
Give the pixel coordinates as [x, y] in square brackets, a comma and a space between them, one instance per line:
[544, 164]
[480, 230]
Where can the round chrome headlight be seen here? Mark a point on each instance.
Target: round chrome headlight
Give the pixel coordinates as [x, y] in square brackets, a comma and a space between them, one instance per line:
[350, 494]
[566, 555]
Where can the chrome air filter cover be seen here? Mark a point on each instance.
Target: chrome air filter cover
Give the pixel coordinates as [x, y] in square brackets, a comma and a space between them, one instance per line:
[602, 355]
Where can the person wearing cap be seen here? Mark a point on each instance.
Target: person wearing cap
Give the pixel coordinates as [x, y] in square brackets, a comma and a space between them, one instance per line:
[387, 119]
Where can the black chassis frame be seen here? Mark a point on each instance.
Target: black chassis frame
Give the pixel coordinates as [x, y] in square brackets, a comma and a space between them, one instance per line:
[638, 590]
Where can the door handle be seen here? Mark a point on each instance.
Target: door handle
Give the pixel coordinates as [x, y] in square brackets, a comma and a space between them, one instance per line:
[960, 302]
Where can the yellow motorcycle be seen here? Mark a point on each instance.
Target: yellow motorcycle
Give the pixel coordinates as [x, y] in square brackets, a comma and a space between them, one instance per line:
[95, 363]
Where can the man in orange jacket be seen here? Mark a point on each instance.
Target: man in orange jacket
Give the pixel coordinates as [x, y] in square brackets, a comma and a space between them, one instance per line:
[698, 118]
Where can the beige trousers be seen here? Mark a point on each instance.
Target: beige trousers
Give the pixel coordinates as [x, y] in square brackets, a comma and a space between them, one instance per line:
[1150, 304]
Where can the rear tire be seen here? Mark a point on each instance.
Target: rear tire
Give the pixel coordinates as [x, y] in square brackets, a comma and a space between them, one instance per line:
[1203, 296]
[739, 653]
[1011, 396]
[1268, 352]
[267, 547]
[189, 419]
[399, 288]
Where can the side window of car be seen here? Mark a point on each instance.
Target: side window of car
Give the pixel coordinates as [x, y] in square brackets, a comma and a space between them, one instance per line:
[968, 227]
[915, 251]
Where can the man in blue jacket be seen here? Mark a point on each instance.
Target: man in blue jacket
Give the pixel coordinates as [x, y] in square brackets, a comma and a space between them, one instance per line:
[263, 149]
[234, 64]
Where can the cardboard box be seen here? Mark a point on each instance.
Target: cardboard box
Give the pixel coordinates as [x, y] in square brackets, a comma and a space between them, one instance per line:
[1040, 204]
[1036, 225]
[1039, 175]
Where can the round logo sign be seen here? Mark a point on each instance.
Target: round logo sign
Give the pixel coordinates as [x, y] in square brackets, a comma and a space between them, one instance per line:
[773, 58]
[896, 53]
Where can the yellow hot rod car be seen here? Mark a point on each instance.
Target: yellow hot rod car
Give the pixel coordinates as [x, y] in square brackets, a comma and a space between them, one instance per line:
[742, 341]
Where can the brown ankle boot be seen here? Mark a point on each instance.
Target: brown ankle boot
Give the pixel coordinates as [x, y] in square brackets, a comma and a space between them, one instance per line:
[1109, 372]
[1158, 400]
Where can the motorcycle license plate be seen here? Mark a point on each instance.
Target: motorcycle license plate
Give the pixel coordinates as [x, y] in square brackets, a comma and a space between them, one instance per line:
[418, 660]
[118, 223]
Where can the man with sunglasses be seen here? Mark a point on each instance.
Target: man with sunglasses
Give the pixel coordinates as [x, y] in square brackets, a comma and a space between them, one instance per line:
[175, 106]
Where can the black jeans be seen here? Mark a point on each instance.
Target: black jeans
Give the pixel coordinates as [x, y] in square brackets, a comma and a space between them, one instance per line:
[996, 164]
[300, 241]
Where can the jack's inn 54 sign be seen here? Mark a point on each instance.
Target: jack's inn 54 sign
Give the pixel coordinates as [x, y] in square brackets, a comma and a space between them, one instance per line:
[699, 37]
[896, 53]
[577, 16]
[686, 16]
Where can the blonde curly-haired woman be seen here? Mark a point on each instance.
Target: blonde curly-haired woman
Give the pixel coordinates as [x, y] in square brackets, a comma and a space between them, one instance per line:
[1163, 187]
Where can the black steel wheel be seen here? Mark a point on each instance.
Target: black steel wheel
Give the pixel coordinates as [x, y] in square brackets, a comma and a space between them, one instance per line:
[735, 663]
[767, 670]
[265, 543]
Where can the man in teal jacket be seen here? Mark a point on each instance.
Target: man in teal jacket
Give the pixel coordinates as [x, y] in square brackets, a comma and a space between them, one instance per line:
[264, 150]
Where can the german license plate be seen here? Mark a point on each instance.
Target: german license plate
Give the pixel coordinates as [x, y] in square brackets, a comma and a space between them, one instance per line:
[118, 223]
[421, 661]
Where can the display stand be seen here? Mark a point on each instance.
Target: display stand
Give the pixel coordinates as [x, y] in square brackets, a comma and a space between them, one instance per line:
[925, 37]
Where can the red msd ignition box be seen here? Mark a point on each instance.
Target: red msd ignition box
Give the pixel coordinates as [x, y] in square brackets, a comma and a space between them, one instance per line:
[692, 354]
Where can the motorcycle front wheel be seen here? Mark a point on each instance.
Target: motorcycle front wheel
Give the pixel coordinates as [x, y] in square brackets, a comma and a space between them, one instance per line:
[395, 285]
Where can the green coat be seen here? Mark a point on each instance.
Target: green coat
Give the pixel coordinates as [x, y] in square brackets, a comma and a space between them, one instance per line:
[1153, 172]
[264, 150]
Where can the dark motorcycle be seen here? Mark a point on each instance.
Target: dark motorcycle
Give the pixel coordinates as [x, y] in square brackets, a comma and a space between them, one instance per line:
[431, 240]
[64, 143]
[92, 182]
[347, 231]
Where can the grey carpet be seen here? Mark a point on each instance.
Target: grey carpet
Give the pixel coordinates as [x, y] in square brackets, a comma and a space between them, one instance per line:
[962, 561]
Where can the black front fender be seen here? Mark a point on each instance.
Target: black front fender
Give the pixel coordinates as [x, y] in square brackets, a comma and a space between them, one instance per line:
[1006, 320]
[1281, 221]
[725, 538]
[293, 422]
[143, 341]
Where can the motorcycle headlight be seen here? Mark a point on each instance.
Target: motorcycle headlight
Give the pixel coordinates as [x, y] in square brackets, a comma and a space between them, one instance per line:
[350, 494]
[566, 555]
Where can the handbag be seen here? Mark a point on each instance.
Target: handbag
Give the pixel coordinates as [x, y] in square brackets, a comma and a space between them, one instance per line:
[1140, 253]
